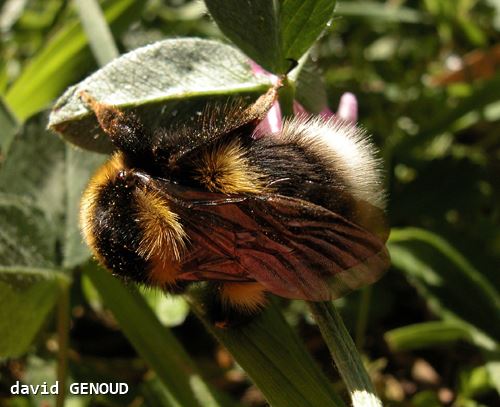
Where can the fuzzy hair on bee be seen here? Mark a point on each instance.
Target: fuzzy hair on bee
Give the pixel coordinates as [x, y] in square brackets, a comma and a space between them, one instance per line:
[298, 214]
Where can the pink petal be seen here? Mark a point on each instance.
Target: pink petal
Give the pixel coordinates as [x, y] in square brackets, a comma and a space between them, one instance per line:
[271, 124]
[348, 108]
[299, 110]
[326, 113]
[256, 68]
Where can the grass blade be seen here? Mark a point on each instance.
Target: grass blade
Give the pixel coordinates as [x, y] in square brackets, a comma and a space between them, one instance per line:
[435, 333]
[154, 342]
[62, 61]
[97, 30]
[451, 285]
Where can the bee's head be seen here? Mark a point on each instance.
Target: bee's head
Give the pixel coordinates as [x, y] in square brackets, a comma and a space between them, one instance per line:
[130, 226]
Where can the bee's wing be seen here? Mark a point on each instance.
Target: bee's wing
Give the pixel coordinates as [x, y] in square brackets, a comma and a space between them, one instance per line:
[294, 248]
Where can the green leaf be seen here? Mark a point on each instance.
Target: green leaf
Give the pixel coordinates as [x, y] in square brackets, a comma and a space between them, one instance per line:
[171, 310]
[27, 238]
[451, 285]
[381, 12]
[493, 368]
[483, 93]
[274, 33]
[27, 295]
[158, 77]
[436, 333]
[426, 398]
[38, 370]
[156, 344]
[9, 126]
[274, 357]
[473, 383]
[155, 393]
[310, 88]
[63, 60]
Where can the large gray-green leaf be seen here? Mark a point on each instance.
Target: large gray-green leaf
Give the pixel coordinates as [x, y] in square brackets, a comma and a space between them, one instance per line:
[27, 295]
[274, 33]
[29, 222]
[80, 165]
[34, 169]
[27, 238]
[157, 77]
[63, 60]
[32, 197]
[451, 285]
[40, 186]
[41, 182]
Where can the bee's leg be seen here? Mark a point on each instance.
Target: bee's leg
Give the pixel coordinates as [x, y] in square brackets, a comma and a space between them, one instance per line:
[233, 304]
[125, 130]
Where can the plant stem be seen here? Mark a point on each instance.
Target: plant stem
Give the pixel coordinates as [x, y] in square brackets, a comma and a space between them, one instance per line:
[62, 334]
[286, 96]
[364, 309]
[272, 355]
[345, 354]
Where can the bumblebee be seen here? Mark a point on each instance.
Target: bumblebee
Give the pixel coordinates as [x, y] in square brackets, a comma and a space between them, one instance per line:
[299, 214]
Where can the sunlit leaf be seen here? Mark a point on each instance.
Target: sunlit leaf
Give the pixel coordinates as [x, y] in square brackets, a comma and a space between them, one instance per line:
[163, 78]
[274, 33]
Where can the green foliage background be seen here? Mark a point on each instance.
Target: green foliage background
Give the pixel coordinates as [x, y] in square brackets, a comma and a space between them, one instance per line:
[429, 329]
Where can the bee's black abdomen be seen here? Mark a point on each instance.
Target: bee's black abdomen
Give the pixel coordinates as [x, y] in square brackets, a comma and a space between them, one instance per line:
[116, 234]
[297, 171]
